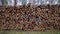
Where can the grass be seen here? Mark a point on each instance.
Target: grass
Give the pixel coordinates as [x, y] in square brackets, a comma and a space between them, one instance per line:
[28, 32]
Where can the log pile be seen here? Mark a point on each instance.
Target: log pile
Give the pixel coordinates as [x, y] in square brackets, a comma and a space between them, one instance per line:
[38, 18]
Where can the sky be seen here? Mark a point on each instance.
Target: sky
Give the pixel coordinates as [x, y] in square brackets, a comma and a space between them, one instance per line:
[20, 2]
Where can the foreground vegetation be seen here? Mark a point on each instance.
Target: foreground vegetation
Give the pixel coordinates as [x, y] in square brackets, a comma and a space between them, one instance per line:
[28, 32]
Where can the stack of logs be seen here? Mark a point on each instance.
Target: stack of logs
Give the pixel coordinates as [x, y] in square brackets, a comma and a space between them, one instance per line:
[38, 18]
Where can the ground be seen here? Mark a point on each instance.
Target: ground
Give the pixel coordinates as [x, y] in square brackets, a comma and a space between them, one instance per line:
[29, 32]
